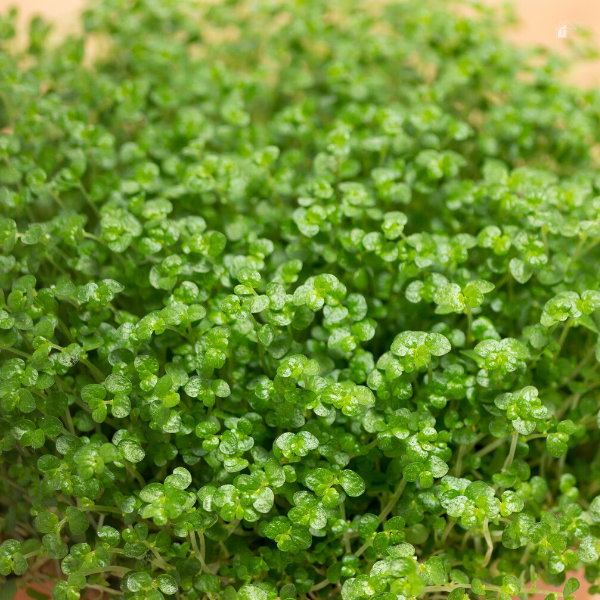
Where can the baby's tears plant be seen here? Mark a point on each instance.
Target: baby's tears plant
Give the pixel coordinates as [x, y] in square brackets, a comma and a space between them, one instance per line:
[299, 300]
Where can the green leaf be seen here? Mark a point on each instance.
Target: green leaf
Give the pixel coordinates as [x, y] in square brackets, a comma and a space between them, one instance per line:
[368, 525]
[55, 546]
[131, 450]
[556, 444]
[180, 479]
[288, 592]
[78, 522]
[109, 535]
[46, 522]
[207, 583]
[595, 509]
[167, 584]
[320, 480]
[8, 590]
[251, 592]
[117, 384]
[434, 571]
[352, 483]
[571, 586]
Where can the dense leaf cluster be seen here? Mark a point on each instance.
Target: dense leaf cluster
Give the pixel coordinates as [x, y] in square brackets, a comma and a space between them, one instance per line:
[299, 299]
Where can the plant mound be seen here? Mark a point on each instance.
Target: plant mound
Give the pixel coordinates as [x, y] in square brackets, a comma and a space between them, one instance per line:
[299, 299]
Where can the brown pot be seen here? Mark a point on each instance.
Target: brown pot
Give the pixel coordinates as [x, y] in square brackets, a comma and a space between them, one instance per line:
[582, 593]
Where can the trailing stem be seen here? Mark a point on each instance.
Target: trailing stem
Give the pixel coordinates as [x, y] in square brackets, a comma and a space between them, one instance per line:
[392, 501]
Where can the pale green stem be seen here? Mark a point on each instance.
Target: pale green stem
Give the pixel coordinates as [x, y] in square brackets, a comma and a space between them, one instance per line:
[491, 447]
[447, 531]
[345, 538]
[159, 559]
[320, 585]
[469, 324]
[563, 337]
[576, 253]
[119, 571]
[15, 351]
[97, 508]
[511, 453]
[133, 471]
[363, 547]
[197, 552]
[393, 500]
[202, 544]
[488, 540]
[104, 589]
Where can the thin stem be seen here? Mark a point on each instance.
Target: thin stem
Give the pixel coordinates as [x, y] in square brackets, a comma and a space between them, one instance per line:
[393, 500]
[363, 547]
[526, 554]
[536, 436]
[579, 254]
[491, 447]
[202, 544]
[447, 531]
[97, 508]
[116, 313]
[511, 453]
[320, 585]
[458, 465]
[104, 589]
[58, 251]
[91, 236]
[590, 353]
[566, 405]
[469, 324]
[15, 351]
[576, 253]
[96, 372]
[488, 540]
[561, 464]
[119, 571]
[17, 486]
[69, 421]
[197, 552]
[133, 471]
[63, 327]
[182, 333]
[89, 201]
[261, 347]
[545, 240]
[163, 565]
[345, 538]
[563, 337]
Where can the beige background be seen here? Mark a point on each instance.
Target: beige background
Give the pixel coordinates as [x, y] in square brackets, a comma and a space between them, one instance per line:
[63, 12]
[538, 22]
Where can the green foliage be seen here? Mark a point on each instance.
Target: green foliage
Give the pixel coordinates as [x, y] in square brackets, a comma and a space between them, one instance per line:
[299, 299]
